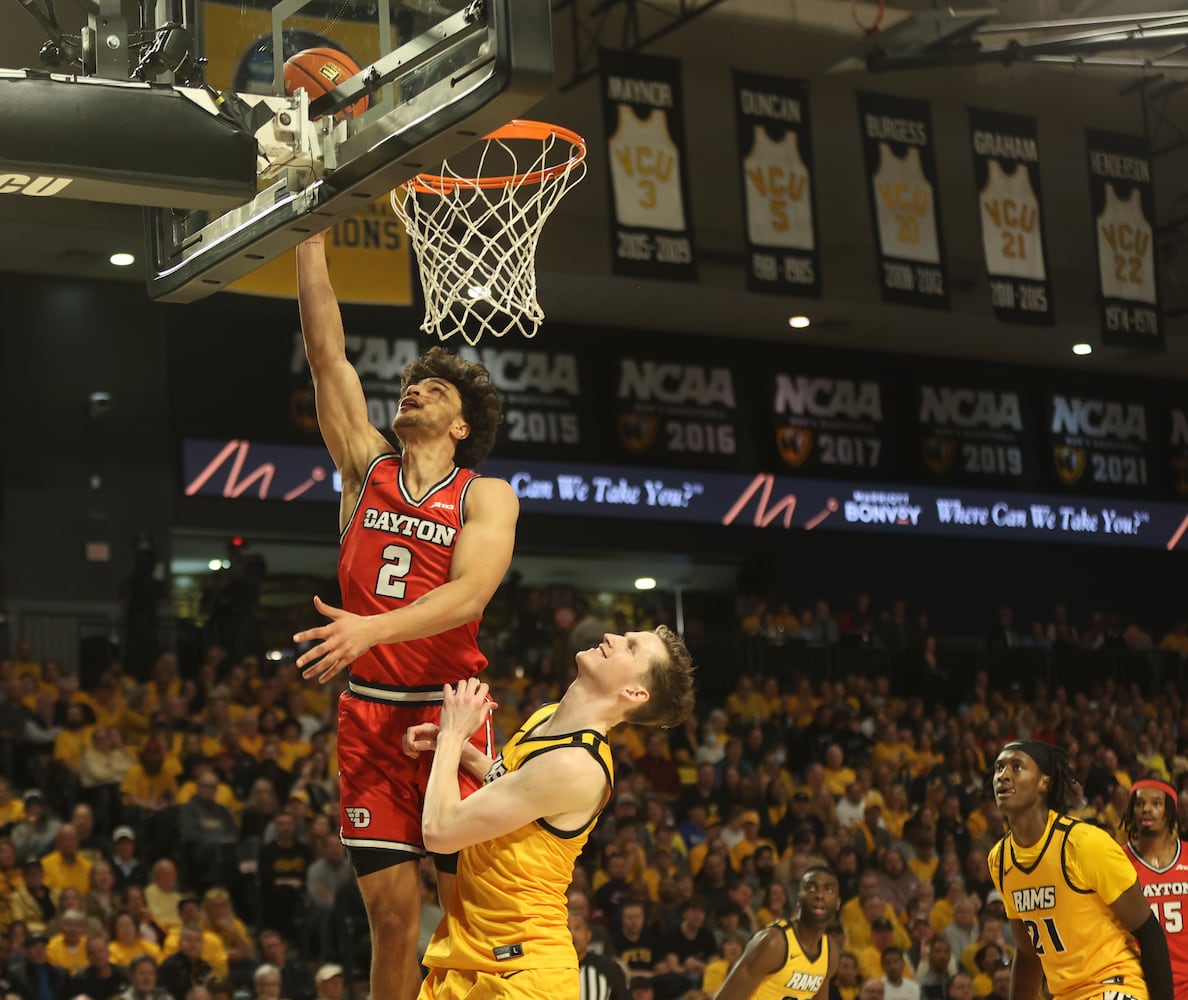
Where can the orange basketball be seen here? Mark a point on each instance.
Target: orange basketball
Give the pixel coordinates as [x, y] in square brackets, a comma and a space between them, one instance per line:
[319, 71]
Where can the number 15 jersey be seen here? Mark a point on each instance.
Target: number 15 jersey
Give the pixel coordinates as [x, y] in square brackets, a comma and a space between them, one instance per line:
[1062, 888]
[1166, 891]
[394, 550]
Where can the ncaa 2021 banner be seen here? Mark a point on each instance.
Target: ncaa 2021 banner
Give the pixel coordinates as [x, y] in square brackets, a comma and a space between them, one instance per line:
[1122, 196]
[775, 151]
[1010, 209]
[643, 115]
[900, 155]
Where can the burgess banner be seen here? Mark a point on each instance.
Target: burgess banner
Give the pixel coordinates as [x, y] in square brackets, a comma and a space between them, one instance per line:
[898, 148]
[643, 115]
[1006, 173]
[775, 150]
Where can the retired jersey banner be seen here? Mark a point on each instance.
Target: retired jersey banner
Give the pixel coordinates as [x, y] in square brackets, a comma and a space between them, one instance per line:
[775, 150]
[643, 114]
[1006, 173]
[1123, 200]
[904, 199]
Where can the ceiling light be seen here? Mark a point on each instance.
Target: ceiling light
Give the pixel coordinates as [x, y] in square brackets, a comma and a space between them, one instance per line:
[799, 322]
[645, 583]
[215, 565]
[1082, 349]
[122, 259]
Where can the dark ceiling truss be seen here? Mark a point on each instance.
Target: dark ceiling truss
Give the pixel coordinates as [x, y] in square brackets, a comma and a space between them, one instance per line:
[622, 25]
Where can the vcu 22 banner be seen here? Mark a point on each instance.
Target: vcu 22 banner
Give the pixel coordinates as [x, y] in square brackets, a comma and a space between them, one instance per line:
[643, 114]
[775, 160]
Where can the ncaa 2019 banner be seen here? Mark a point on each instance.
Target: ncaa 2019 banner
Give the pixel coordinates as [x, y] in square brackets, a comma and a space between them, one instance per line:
[775, 150]
[899, 151]
[1122, 196]
[643, 116]
[1006, 175]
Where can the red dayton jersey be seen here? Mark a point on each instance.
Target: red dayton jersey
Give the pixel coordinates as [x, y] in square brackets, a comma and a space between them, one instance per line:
[395, 549]
[1167, 893]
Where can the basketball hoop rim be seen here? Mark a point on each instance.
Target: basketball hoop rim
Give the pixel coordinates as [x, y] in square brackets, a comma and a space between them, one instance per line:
[519, 128]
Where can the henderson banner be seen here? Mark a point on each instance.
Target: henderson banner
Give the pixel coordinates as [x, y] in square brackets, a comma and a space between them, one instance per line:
[899, 152]
[1007, 178]
[643, 117]
[775, 150]
[1122, 196]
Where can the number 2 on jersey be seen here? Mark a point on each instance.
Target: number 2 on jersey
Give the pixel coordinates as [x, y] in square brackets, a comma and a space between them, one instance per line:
[398, 561]
[1037, 941]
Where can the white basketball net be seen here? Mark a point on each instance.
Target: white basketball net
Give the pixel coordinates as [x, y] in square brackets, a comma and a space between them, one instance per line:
[475, 237]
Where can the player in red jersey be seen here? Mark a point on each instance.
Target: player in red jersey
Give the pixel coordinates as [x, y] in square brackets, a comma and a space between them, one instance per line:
[1154, 847]
[425, 543]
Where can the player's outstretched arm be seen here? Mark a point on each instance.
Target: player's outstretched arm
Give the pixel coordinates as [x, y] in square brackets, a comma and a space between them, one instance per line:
[765, 954]
[342, 407]
[422, 738]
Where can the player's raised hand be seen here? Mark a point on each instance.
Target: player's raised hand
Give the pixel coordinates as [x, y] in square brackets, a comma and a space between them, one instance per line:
[465, 707]
[346, 638]
[419, 739]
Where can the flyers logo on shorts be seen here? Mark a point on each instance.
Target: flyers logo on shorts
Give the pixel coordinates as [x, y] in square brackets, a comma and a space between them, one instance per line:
[1070, 463]
[358, 816]
[637, 431]
[938, 454]
[795, 444]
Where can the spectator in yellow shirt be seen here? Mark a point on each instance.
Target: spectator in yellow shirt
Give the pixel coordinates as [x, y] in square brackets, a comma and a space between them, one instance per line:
[745, 704]
[68, 949]
[837, 775]
[65, 867]
[161, 895]
[128, 942]
[12, 809]
[189, 913]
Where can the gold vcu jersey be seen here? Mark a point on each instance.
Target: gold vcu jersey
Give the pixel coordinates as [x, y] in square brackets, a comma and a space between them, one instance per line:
[508, 909]
[802, 975]
[1062, 888]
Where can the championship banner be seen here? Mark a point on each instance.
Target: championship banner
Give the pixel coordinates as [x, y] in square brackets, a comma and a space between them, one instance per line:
[643, 115]
[1099, 443]
[826, 425]
[1006, 172]
[775, 151]
[972, 435]
[1178, 450]
[904, 199]
[1123, 200]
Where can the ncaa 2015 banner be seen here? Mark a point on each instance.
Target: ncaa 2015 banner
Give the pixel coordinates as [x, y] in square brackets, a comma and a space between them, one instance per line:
[775, 150]
[899, 152]
[643, 115]
[1122, 196]
[1010, 207]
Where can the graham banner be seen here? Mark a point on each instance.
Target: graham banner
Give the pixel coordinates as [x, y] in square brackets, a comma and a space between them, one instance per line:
[904, 202]
[1123, 200]
[1006, 173]
[775, 151]
[643, 114]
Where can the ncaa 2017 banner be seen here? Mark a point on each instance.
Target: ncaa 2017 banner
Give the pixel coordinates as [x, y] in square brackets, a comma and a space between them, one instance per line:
[643, 116]
[1122, 196]
[900, 157]
[775, 151]
[1006, 175]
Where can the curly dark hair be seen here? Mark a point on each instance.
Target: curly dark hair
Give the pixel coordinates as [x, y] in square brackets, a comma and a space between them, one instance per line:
[669, 682]
[481, 408]
[1171, 813]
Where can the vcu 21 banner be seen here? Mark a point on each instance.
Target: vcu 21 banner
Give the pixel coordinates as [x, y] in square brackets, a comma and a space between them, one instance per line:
[775, 160]
[643, 114]
[901, 170]
[1006, 173]
[1123, 199]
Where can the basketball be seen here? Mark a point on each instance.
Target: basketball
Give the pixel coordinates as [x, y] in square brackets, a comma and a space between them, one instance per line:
[319, 71]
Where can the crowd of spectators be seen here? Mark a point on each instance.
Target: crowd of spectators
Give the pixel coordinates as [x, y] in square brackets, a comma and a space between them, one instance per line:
[175, 835]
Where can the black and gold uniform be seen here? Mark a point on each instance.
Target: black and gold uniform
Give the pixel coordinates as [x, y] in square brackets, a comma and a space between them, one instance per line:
[802, 975]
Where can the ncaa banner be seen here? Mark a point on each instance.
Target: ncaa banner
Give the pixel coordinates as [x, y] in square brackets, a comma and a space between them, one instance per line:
[1006, 172]
[900, 160]
[1100, 442]
[775, 153]
[643, 115]
[1123, 200]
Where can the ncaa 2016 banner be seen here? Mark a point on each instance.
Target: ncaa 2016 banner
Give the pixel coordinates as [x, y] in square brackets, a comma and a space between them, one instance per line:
[1006, 174]
[643, 115]
[900, 160]
[1123, 199]
[775, 150]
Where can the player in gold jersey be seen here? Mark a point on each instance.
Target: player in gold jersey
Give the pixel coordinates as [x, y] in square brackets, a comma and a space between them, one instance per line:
[1070, 891]
[505, 933]
[791, 959]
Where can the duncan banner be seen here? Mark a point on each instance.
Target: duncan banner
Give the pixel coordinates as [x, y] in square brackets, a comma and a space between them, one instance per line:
[1123, 203]
[775, 150]
[904, 199]
[643, 115]
[1006, 173]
